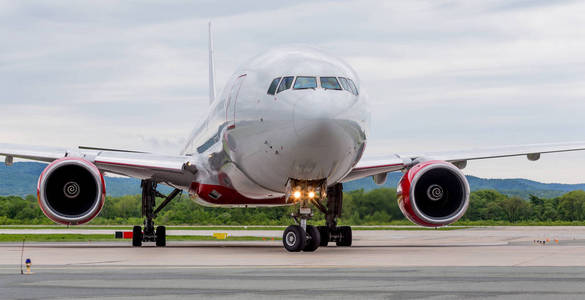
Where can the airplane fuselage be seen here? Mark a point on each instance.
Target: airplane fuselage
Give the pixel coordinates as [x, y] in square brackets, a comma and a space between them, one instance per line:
[292, 113]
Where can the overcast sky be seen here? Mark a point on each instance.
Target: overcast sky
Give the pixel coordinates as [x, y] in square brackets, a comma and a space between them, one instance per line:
[440, 75]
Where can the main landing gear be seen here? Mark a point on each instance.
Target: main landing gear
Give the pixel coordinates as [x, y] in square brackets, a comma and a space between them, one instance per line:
[341, 235]
[150, 234]
[308, 238]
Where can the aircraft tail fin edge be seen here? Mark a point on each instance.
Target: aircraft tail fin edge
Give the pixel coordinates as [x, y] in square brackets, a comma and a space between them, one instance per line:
[211, 68]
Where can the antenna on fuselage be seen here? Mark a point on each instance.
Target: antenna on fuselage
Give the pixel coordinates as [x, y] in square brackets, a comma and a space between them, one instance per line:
[211, 68]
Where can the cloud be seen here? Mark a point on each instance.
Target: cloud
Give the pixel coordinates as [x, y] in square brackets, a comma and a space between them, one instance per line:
[440, 74]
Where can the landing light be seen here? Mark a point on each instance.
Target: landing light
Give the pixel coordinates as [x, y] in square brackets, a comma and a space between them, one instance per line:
[305, 190]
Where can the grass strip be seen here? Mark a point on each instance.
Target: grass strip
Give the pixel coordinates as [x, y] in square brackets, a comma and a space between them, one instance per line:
[219, 228]
[110, 237]
[129, 227]
[413, 228]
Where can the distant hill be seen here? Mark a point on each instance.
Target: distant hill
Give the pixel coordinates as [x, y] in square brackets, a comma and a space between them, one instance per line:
[21, 179]
[512, 187]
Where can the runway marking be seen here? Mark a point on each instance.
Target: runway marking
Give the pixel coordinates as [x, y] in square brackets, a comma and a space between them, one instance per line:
[520, 264]
[97, 262]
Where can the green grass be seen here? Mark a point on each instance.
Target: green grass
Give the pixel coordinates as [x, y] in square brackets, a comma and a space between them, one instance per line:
[411, 228]
[218, 228]
[210, 238]
[397, 225]
[110, 237]
[129, 227]
[519, 223]
[55, 237]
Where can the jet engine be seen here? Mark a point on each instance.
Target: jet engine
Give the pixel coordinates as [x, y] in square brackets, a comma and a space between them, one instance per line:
[433, 194]
[71, 191]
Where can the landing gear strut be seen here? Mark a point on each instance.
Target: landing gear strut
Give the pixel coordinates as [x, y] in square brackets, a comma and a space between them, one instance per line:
[150, 234]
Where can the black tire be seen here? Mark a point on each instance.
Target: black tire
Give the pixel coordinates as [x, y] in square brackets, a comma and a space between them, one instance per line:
[136, 236]
[161, 236]
[314, 239]
[346, 236]
[294, 238]
[325, 235]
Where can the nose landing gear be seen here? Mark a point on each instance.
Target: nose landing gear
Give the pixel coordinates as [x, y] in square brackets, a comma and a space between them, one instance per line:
[301, 237]
[295, 238]
[308, 238]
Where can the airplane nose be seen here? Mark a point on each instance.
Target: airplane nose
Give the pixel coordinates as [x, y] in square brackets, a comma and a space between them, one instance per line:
[319, 117]
[315, 135]
[327, 136]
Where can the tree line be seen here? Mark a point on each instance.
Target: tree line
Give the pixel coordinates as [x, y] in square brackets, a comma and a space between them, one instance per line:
[360, 208]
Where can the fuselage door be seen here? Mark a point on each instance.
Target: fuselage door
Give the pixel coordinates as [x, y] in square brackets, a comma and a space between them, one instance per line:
[230, 113]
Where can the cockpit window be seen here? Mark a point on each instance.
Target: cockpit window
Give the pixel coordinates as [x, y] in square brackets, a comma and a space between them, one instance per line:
[273, 85]
[285, 84]
[305, 82]
[353, 87]
[344, 84]
[330, 83]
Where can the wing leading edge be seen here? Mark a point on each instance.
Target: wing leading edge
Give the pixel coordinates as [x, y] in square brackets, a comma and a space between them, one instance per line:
[162, 168]
[397, 162]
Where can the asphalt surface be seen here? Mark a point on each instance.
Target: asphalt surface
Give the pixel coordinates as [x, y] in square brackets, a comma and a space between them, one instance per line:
[178, 282]
[494, 263]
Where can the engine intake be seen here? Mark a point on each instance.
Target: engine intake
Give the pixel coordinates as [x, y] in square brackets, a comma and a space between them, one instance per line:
[71, 191]
[433, 193]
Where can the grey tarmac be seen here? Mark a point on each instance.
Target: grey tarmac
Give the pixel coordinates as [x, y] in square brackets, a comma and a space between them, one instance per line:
[494, 262]
[178, 282]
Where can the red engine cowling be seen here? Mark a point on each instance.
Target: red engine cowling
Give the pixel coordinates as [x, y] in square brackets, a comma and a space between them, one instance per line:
[433, 193]
[71, 191]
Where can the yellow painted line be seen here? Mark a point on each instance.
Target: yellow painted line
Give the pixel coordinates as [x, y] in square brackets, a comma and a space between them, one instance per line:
[220, 235]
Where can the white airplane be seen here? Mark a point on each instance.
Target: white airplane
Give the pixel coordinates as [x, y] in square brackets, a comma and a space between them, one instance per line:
[289, 129]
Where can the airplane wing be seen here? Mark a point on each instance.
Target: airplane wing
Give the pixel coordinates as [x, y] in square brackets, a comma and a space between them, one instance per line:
[365, 168]
[396, 162]
[162, 168]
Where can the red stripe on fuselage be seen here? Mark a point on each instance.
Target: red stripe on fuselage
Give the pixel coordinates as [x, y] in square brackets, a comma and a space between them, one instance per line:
[229, 196]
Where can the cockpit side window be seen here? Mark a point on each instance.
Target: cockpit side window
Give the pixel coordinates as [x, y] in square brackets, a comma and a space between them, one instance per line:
[273, 85]
[330, 83]
[344, 84]
[305, 82]
[285, 84]
[353, 87]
